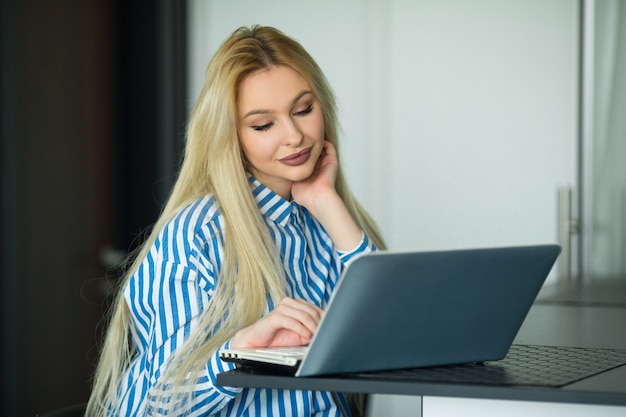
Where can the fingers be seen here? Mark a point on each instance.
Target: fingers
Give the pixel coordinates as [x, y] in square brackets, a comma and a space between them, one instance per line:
[321, 182]
[328, 148]
[299, 316]
[291, 323]
[328, 155]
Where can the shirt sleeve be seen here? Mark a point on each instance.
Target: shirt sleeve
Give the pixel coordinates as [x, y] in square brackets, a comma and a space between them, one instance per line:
[364, 246]
[165, 299]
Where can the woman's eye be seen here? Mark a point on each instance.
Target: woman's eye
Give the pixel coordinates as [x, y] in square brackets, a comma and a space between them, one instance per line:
[304, 112]
[261, 128]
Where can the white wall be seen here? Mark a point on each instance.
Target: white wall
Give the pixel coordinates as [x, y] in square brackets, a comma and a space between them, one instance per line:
[459, 117]
[484, 120]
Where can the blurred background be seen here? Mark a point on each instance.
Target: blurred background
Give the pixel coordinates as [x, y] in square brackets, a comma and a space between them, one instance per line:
[93, 119]
[465, 124]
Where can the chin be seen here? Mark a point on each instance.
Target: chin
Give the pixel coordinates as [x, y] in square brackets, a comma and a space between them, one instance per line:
[302, 174]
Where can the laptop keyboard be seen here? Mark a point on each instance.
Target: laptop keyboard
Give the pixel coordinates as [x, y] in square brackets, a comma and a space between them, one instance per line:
[289, 351]
[552, 366]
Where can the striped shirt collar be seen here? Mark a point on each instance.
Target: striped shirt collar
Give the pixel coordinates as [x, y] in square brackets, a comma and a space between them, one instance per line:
[271, 205]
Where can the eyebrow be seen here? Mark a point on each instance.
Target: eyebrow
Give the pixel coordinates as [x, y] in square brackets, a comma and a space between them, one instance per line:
[262, 111]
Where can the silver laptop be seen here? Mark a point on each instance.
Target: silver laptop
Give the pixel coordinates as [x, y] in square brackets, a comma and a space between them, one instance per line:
[396, 310]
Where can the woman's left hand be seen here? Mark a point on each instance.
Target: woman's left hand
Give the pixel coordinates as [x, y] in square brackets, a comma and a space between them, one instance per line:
[311, 191]
[319, 195]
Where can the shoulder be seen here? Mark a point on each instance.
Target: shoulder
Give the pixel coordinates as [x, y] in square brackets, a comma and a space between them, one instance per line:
[197, 213]
[195, 225]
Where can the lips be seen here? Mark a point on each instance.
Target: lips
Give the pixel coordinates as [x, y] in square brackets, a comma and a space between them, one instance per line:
[297, 158]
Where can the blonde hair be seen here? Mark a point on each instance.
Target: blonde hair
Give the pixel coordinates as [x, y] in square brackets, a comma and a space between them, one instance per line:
[214, 164]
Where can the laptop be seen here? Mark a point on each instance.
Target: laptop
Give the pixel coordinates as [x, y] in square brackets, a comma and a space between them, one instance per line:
[401, 310]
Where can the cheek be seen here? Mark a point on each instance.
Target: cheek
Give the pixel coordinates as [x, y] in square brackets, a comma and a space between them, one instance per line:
[255, 148]
[315, 127]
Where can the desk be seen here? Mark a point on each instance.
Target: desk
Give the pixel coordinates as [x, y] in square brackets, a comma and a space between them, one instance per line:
[560, 317]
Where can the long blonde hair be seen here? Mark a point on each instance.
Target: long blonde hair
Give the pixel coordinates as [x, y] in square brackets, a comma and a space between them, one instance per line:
[214, 164]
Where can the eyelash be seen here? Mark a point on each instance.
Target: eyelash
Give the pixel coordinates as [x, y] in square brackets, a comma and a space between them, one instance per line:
[262, 128]
[306, 111]
[266, 126]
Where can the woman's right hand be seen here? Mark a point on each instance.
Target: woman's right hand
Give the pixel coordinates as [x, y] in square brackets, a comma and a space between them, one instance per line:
[292, 323]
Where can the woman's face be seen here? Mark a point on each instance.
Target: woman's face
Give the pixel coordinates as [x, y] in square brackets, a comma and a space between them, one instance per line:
[281, 127]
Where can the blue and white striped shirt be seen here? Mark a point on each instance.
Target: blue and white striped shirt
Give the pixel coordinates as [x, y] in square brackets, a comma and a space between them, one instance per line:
[177, 278]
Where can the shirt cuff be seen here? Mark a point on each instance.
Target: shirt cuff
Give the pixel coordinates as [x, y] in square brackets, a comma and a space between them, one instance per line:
[364, 246]
[217, 366]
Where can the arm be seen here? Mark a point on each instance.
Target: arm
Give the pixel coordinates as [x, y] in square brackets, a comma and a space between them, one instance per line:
[318, 194]
[165, 300]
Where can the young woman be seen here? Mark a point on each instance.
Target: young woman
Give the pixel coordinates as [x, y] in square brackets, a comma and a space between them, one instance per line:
[249, 247]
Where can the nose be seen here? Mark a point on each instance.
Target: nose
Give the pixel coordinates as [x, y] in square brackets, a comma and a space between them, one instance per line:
[292, 135]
